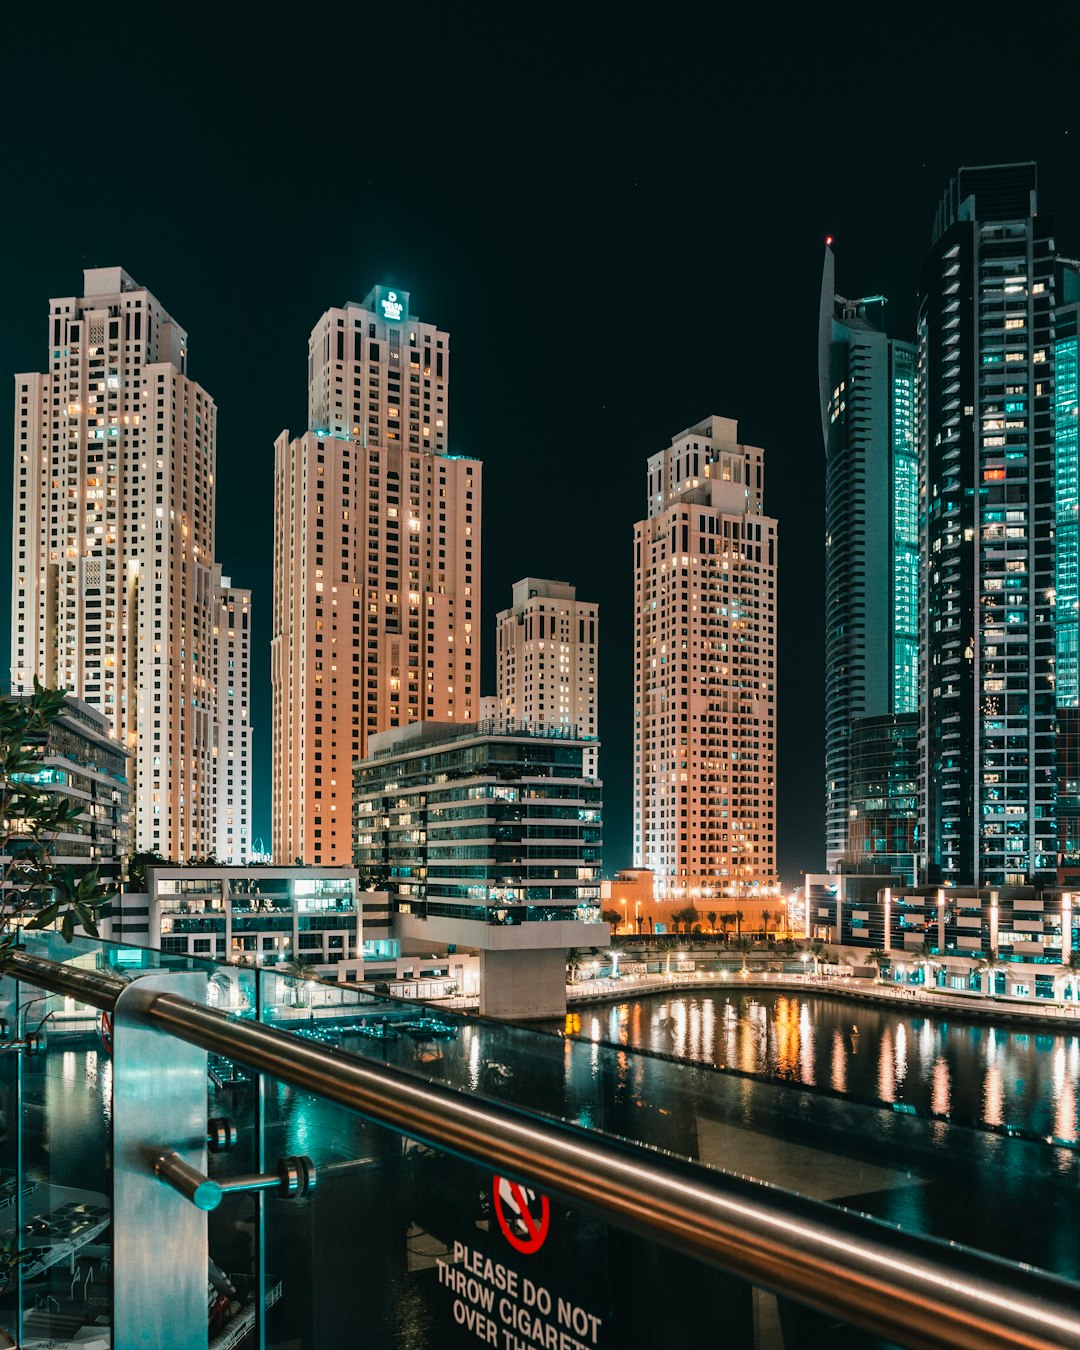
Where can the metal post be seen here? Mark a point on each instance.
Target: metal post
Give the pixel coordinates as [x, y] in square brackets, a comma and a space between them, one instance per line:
[159, 1240]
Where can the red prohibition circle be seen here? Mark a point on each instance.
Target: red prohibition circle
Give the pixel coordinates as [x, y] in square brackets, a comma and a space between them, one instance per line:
[105, 1031]
[526, 1217]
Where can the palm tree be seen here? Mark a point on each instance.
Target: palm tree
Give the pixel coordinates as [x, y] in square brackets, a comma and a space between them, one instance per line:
[766, 915]
[880, 958]
[743, 946]
[711, 916]
[988, 966]
[298, 974]
[738, 923]
[1072, 965]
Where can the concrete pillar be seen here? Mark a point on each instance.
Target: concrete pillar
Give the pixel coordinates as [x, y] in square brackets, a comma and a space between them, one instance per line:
[522, 984]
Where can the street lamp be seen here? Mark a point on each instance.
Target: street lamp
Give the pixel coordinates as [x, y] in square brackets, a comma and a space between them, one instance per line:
[804, 957]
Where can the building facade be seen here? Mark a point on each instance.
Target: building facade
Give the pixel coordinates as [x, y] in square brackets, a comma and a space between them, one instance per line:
[488, 837]
[546, 651]
[115, 595]
[376, 566]
[255, 916]
[232, 649]
[705, 670]
[82, 762]
[883, 794]
[986, 353]
[867, 393]
[1067, 484]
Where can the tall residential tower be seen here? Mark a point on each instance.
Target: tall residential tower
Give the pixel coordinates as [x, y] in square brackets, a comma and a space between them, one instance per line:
[867, 391]
[547, 645]
[705, 670]
[116, 595]
[987, 559]
[376, 565]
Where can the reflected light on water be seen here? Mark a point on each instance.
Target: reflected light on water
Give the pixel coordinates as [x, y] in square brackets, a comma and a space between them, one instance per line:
[806, 1045]
[68, 1066]
[838, 1078]
[786, 1027]
[708, 1030]
[1064, 1096]
[900, 1055]
[678, 1030]
[474, 1061]
[753, 1040]
[993, 1096]
[697, 1047]
[941, 1087]
[996, 1075]
[886, 1068]
[731, 1029]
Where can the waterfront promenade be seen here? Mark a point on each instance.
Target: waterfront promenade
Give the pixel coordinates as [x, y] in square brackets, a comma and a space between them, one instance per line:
[936, 1002]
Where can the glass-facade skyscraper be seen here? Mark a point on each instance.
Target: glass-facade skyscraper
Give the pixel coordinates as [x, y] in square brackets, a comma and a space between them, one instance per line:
[867, 386]
[986, 353]
[1067, 483]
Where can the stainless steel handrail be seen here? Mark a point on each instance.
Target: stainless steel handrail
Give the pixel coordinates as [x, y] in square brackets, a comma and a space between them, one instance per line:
[87, 986]
[918, 1291]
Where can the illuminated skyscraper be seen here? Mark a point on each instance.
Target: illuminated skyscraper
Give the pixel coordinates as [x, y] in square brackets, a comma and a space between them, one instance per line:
[547, 654]
[376, 565]
[986, 347]
[867, 391]
[705, 670]
[116, 595]
[1067, 483]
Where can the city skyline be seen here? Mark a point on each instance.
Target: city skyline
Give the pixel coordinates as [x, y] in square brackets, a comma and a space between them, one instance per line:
[559, 243]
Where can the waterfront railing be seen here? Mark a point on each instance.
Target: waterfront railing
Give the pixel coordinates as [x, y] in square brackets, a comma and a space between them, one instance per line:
[252, 1163]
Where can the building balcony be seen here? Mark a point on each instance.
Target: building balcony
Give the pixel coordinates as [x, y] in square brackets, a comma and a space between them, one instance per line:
[323, 1160]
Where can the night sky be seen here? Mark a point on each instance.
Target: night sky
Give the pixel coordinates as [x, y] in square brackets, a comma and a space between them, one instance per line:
[621, 226]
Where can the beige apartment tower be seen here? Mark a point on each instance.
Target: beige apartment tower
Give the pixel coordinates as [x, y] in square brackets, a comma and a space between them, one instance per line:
[232, 682]
[547, 661]
[115, 593]
[376, 566]
[705, 670]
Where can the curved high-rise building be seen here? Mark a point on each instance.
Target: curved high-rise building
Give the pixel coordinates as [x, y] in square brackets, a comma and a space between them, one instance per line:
[867, 389]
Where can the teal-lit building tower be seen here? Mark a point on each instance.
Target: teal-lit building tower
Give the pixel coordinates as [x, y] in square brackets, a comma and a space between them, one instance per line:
[989, 565]
[867, 383]
[1067, 563]
[1067, 483]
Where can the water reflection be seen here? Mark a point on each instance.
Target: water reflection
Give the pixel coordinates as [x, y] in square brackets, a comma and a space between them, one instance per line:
[967, 1071]
[838, 1074]
[941, 1090]
[886, 1080]
[900, 1055]
[993, 1099]
[806, 1046]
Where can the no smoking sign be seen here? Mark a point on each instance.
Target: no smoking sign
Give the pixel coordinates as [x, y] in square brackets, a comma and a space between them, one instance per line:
[524, 1215]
